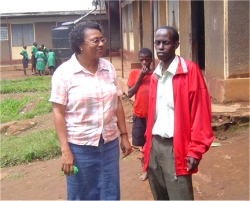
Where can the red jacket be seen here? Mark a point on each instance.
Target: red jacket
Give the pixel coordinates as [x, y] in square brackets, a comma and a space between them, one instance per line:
[193, 133]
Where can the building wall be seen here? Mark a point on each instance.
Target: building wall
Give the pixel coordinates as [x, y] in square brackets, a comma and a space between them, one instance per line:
[146, 21]
[238, 39]
[162, 13]
[227, 50]
[136, 27]
[215, 38]
[185, 27]
[5, 53]
[115, 31]
[43, 33]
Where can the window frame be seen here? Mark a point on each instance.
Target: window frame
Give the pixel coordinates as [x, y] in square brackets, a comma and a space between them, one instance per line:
[22, 34]
[4, 31]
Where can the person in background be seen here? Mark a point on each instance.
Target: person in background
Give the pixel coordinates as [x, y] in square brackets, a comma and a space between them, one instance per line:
[44, 49]
[25, 59]
[40, 64]
[178, 129]
[138, 85]
[33, 58]
[87, 110]
[51, 61]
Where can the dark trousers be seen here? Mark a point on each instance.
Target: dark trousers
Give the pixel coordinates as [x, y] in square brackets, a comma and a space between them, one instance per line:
[164, 184]
[33, 66]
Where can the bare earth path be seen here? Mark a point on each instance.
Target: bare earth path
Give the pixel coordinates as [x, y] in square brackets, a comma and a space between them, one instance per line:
[223, 172]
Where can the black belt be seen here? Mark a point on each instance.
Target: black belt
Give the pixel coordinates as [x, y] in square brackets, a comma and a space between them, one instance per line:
[162, 138]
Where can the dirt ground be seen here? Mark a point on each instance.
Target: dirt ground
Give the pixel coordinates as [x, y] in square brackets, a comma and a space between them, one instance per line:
[223, 172]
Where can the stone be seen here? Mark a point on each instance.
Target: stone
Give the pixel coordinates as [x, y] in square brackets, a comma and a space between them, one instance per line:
[17, 128]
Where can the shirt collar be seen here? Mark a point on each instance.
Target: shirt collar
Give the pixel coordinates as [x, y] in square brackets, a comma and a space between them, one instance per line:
[171, 69]
[77, 67]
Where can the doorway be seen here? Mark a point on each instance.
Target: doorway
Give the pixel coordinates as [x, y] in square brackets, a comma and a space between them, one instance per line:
[198, 33]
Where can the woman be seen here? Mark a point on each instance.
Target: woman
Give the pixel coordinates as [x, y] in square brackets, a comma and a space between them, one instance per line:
[40, 61]
[87, 110]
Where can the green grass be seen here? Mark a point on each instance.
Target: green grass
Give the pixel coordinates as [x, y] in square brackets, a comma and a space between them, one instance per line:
[30, 84]
[15, 176]
[10, 108]
[16, 150]
[41, 145]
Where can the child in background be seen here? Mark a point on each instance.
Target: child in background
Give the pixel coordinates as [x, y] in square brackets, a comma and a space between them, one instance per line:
[40, 63]
[25, 60]
[138, 85]
[33, 58]
[51, 61]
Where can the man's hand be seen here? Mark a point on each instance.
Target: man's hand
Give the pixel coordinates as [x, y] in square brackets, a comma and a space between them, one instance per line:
[192, 163]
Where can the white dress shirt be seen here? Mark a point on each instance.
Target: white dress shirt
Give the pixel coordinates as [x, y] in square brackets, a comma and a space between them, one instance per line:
[164, 113]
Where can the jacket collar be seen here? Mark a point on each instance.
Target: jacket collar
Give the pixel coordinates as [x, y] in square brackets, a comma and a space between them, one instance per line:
[182, 66]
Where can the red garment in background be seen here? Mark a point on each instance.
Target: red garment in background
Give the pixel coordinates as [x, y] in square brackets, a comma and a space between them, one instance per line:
[140, 106]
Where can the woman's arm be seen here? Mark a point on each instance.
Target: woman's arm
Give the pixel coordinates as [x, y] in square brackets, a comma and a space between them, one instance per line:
[60, 126]
[125, 144]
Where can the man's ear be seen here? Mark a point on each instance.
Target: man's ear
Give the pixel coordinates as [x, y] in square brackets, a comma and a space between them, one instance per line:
[176, 44]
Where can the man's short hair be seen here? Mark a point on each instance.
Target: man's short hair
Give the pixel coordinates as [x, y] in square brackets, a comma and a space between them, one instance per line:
[145, 51]
[175, 33]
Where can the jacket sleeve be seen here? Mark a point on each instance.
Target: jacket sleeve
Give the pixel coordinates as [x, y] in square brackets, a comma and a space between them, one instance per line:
[201, 118]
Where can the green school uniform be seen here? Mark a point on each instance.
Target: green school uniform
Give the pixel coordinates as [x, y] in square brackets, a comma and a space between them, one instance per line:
[33, 50]
[51, 59]
[24, 54]
[40, 64]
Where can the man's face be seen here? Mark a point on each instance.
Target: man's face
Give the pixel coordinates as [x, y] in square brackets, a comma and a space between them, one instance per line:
[164, 45]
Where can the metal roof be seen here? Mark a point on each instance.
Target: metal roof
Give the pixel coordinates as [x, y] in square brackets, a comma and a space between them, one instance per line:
[47, 7]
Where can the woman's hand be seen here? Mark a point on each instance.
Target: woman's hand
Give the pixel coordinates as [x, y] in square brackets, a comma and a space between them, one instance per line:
[67, 163]
[125, 146]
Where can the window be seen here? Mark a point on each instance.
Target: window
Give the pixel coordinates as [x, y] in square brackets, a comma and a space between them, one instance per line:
[4, 33]
[22, 34]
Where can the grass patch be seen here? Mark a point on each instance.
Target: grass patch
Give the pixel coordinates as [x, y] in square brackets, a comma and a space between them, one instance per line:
[30, 84]
[16, 150]
[15, 176]
[10, 107]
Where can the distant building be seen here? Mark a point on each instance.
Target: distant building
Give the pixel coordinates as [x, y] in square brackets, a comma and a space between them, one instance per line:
[24, 23]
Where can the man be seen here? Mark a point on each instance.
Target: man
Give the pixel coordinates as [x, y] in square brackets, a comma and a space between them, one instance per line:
[179, 121]
[33, 58]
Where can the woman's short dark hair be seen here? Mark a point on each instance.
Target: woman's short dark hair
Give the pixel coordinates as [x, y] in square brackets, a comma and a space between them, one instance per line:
[76, 36]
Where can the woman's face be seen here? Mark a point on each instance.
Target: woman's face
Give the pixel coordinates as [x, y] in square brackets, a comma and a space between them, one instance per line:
[92, 45]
